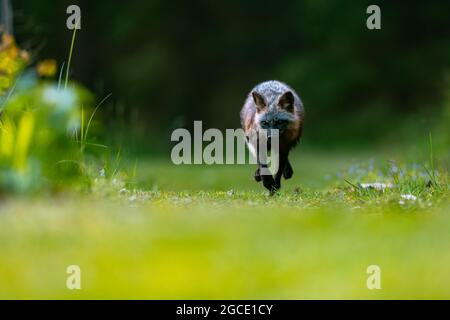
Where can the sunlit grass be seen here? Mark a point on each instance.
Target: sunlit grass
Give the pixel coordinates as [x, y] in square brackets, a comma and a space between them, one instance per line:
[164, 239]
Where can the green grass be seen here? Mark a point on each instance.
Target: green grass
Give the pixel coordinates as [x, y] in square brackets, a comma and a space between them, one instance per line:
[212, 232]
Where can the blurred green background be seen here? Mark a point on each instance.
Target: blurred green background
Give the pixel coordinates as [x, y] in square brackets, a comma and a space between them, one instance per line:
[169, 63]
[106, 196]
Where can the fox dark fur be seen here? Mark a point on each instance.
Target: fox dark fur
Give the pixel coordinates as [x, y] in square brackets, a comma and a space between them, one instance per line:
[274, 105]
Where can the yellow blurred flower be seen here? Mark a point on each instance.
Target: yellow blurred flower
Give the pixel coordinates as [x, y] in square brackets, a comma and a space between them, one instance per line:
[7, 41]
[12, 60]
[9, 48]
[47, 68]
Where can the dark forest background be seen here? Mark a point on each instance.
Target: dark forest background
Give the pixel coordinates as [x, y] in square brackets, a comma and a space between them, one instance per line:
[168, 63]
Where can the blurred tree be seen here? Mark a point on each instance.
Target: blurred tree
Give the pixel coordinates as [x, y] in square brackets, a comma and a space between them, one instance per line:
[171, 62]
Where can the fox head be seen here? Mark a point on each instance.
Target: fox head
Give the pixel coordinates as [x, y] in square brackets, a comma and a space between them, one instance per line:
[275, 112]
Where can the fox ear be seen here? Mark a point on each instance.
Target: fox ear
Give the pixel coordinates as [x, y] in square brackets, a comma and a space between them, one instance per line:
[286, 101]
[259, 100]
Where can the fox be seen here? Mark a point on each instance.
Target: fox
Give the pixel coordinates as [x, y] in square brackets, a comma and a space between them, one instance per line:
[273, 105]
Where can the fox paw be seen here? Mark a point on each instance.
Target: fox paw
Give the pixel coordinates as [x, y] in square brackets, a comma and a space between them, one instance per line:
[270, 184]
[288, 172]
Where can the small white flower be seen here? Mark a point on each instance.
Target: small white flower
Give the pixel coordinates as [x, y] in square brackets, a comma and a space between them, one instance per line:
[408, 197]
[376, 185]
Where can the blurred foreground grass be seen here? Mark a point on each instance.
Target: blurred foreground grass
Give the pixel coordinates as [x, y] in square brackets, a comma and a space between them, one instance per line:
[211, 232]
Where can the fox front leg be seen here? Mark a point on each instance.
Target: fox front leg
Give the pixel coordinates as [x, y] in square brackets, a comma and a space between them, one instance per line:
[281, 168]
[288, 171]
[267, 179]
[269, 183]
[252, 149]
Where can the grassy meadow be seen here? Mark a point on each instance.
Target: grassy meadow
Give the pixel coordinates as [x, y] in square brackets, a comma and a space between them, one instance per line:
[211, 232]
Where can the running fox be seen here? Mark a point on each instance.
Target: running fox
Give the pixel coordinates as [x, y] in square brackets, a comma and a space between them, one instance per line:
[273, 105]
